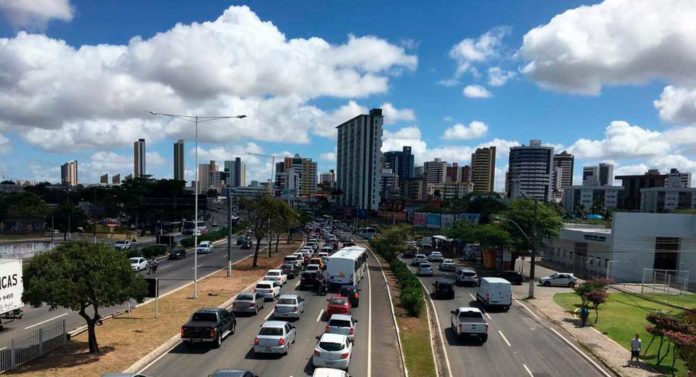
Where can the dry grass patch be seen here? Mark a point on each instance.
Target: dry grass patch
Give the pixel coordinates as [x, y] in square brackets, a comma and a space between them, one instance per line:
[125, 340]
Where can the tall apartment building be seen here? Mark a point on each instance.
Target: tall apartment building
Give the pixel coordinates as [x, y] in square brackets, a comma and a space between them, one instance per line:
[530, 172]
[236, 172]
[606, 174]
[483, 170]
[306, 171]
[675, 195]
[417, 172]
[466, 174]
[400, 162]
[179, 160]
[590, 176]
[454, 173]
[435, 171]
[359, 159]
[104, 179]
[203, 181]
[564, 162]
[139, 158]
[389, 185]
[116, 179]
[68, 173]
[328, 179]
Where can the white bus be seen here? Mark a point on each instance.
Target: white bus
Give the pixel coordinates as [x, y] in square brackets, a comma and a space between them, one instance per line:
[346, 266]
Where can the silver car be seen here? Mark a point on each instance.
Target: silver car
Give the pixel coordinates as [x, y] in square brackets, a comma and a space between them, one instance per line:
[289, 306]
[342, 324]
[274, 337]
[248, 302]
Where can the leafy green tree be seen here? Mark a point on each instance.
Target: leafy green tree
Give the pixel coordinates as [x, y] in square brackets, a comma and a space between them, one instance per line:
[285, 218]
[538, 220]
[491, 235]
[486, 205]
[82, 276]
[259, 212]
[23, 208]
[67, 218]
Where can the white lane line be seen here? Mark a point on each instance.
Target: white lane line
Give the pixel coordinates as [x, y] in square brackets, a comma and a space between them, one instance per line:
[530, 312]
[369, 323]
[439, 330]
[504, 338]
[488, 315]
[268, 315]
[298, 283]
[48, 320]
[321, 312]
[581, 353]
[472, 297]
[527, 369]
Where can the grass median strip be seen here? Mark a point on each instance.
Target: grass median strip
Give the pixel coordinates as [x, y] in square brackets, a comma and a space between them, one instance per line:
[124, 340]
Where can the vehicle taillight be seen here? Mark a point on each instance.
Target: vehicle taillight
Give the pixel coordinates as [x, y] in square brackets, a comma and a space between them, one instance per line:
[327, 328]
[345, 355]
[281, 341]
[351, 331]
[212, 332]
[256, 341]
[317, 353]
[357, 295]
[183, 329]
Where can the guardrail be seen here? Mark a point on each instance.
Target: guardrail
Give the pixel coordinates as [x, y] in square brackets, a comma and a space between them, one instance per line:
[32, 345]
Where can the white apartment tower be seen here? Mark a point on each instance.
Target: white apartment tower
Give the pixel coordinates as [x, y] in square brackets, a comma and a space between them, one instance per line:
[530, 172]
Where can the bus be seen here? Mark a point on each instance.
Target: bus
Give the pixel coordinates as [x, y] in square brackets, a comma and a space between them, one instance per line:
[188, 227]
[346, 266]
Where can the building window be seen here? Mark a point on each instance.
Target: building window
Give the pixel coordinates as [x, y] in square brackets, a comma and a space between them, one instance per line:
[666, 253]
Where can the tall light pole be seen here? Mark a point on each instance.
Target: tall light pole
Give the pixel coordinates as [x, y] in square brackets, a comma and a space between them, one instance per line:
[196, 119]
[532, 247]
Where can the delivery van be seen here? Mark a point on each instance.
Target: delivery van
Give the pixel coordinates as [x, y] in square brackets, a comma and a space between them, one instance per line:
[494, 292]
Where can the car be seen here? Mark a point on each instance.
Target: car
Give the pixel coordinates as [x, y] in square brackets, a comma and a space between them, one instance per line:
[290, 270]
[494, 292]
[469, 322]
[341, 324]
[248, 302]
[289, 306]
[138, 263]
[338, 305]
[466, 276]
[268, 289]
[559, 279]
[275, 337]
[122, 245]
[232, 373]
[447, 265]
[178, 253]
[297, 260]
[418, 259]
[246, 245]
[350, 291]
[208, 325]
[409, 253]
[425, 269]
[241, 240]
[276, 275]
[318, 261]
[329, 372]
[313, 268]
[435, 256]
[513, 277]
[443, 289]
[204, 247]
[333, 351]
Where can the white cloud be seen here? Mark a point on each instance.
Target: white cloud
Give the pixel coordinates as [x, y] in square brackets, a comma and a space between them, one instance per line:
[677, 105]
[474, 130]
[498, 76]
[257, 71]
[614, 42]
[622, 140]
[448, 82]
[328, 156]
[409, 43]
[471, 51]
[35, 14]
[476, 91]
[394, 115]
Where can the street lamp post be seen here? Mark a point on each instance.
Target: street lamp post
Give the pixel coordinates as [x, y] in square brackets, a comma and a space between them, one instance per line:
[532, 247]
[196, 119]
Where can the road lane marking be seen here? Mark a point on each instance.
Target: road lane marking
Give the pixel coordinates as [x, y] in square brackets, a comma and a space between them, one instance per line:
[298, 283]
[441, 333]
[504, 338]
[472, 297]
[320, 314]
[581, 353]
[46, 321]
[269, 315]
[486, 313]
[369, 323]
[530, 312]
[527, 369]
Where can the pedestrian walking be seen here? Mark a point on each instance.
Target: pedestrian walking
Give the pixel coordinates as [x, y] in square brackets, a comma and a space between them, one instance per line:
[584, 314]
[636, 344]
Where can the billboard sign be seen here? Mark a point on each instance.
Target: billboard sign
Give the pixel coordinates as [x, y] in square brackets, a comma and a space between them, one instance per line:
[11, 285]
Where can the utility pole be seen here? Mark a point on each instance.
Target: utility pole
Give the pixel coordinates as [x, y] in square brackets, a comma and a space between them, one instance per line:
[534, 246]
[229, 233]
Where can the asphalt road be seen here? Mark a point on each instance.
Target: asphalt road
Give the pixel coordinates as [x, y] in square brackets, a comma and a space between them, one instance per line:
[519, 344]
[172, 274]
[236, 351]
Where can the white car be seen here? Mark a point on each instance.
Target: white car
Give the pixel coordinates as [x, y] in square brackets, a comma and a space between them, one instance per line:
[341, 324]
[447, 265]
[122, 245]
[138, 263]
[333, 351]
[313, 268]
[275, 337]
[205, 247]
[418, 259]
[559, 279]
[276, 275]
[425, 269]
[435, 256]
[329, 372]
[268, 289]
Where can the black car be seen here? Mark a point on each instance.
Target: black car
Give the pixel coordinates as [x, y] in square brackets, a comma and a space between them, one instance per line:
[241, 240]
[409, 253]
[513, 277]
[178, 253]
[246, 244]
[351, 292]
[443, 289]
[291, 269]
[210, 325]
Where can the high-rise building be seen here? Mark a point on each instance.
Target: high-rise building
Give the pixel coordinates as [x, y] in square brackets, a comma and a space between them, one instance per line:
[328, 179]
[466, 174]
[633, 184]
[564, 161]
[435, 171]
[684, 179]
[359, 159]
[483, 170]
[307, 171]
[590, 176]
[116, 179]
[139, 158]
[390, 185]
[454, 173]
[606, 174]
[417, 172]
[68, 174]
[400, 162]
[104, 179]
[236, 172]
[203, 178]
[530, 172]
[179, 160]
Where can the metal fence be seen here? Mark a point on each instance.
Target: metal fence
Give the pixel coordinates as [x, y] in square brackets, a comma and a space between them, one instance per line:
[31, 345]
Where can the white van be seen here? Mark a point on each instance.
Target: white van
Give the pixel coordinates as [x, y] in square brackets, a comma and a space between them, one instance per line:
[495, 292]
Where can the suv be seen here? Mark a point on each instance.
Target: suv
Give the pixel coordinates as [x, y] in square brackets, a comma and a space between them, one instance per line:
[418, 259]
[467, 276]
[443, 288]
[178, 253]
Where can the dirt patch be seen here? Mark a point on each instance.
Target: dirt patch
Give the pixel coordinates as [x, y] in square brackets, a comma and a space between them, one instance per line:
[125, 340]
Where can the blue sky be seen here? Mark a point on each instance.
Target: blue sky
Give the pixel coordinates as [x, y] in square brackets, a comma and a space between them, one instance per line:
[608, 81]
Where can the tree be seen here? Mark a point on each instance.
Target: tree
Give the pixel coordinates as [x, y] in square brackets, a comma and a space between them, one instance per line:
[24, 209]
[82, 276]
[285, 218]
[538, 220]
[593, 293]
[67, 218]
[259, 213]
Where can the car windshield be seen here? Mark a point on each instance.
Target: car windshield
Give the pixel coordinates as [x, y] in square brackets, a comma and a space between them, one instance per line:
[204, 317]
[271, 331]
[339, 323]
[470, 315]
[286, 301]
[338, 301]
[424, 265]
[134, 260]
[273, 273]
[468, 273]
[263, 286]
[312, 268]
[245, 297]
[331, 346]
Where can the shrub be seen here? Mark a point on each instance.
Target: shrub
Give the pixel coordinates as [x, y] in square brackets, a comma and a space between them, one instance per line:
[412, 301]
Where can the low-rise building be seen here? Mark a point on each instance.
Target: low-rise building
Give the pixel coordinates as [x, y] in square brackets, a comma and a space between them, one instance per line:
[675, 195]
[450, 190]
[578, 199]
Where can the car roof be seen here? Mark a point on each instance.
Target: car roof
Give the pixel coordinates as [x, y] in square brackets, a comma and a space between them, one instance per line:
[329, 337]
[466, 269]
[274, 270]
[208, 310]
[265, 282]
[274, 324]
[341, 317]
[289, 296]
[495, 280]
[328, 372]
[313, 264]
[444, 281]
[468, 309]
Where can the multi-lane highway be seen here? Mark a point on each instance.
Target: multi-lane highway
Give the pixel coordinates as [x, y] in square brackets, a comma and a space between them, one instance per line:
[172, 274]
[519, 342]
[375, 351]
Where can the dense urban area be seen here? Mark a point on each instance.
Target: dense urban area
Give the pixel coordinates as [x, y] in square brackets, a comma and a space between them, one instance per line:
[497, 259]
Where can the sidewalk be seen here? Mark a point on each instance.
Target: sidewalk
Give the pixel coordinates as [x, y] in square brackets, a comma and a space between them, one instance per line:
[612, 354]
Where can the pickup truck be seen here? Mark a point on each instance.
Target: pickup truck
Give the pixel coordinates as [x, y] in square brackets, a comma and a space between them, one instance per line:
[469, 322]
[210, 325]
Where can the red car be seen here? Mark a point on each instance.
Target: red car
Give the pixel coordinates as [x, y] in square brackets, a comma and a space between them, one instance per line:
[338, 305]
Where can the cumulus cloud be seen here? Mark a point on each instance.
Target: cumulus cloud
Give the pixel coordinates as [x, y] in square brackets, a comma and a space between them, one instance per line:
[474, 130]
[613, 42]
[677, 105]
[470, 51]
[35, 14]
[622, 140]
[476, 91]
[498, 76]
[394, 115]
[328, 156]
[258, 71]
